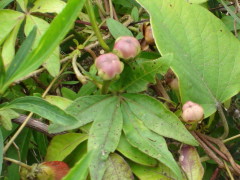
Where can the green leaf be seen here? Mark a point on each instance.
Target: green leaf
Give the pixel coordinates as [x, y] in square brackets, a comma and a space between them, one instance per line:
[104, 136]
[6, 116]
[86, 109]
[43, 108]
[134, 154]
[8, 50]
[136, 76]
[197, 1]
[117, 29]
[153, 173]
[2, 72]
[4, 3]
[50, 40]
[80, 170]
[158, 118]
[23, 4]
[190, 162]
[62, 145]
[135, 14]
[45, 6]
[229, 22]
[117, 168]
[1, 151]
[20, 56]
[230, 11]
[204, 50]
[52, 63]
[68, 93]
[147, 141]
[58, 101]
[87, 89]
[8, 20]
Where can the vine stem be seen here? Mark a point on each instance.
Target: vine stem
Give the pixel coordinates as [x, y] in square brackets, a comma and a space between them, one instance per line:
[31, 114]
[224, 121]
[93, 21]
[18, 163]
[231, 138]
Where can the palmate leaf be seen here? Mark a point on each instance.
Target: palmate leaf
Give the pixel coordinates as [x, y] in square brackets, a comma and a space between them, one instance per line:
[147, 141]
[158, 118]
[8, 20]
[132, 153]
[57, 30]
[206, 54]
[104, 136]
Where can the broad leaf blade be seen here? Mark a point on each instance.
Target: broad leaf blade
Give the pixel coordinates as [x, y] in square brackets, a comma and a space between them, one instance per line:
[62, 145]
[43, 108]
[158, 118]
[132, 153]
[51, 39]
[206, 54]
[104, 136]
[117, 168]
[147, 141]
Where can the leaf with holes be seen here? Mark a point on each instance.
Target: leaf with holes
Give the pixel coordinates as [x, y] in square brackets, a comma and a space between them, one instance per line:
[206, 54]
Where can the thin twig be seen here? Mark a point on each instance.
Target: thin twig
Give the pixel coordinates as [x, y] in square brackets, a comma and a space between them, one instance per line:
[228, 171]
[36, 125]
[18, 163]
[231, 138]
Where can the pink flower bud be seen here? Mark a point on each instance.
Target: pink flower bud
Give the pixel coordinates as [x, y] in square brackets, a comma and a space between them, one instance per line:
[127, 47]
[192, 112]
[174, 84]
[108, 66]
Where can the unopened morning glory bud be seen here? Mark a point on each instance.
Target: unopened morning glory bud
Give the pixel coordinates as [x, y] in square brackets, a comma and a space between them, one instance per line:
[148, 35]
[127, 47]
[108, 66]
[192, 112]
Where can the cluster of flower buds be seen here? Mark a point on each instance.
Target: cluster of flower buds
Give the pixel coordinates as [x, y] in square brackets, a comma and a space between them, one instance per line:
[109, 65]
[192, 112]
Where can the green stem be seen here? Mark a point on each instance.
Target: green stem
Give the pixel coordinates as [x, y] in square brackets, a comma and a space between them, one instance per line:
[224, 121]
[105, 87]
[95, 26]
